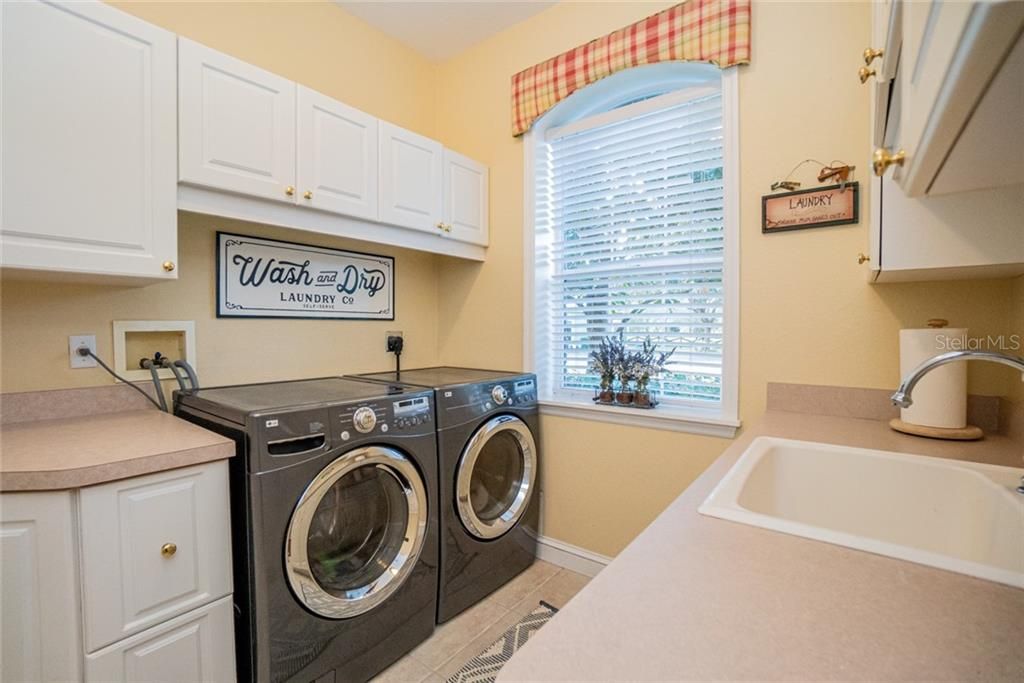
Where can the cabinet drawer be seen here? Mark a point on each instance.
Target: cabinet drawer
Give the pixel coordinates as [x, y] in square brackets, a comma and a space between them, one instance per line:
[197, 646]
[153, 547]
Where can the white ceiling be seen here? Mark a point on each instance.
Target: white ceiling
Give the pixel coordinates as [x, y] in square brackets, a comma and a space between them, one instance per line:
[440, 30]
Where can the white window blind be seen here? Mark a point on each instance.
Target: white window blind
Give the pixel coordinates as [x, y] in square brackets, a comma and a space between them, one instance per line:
[629, 236]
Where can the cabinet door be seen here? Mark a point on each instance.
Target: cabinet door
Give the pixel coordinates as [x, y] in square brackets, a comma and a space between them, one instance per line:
[237, 125]
[89, 141]
[337, 149]
[410, 179]
[39, 588]
[197, 646]
[465, 198]
[153, 547]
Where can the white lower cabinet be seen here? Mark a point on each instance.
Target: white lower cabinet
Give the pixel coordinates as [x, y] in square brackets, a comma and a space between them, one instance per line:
[197, 646]
[131, 579]
[153, 547]
[41, 635]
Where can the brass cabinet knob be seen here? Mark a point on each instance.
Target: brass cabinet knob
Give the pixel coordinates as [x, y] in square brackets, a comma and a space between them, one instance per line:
[864, 74]
[289, 190]
[447, 227]
[870, 54]
[440, 226]
[863, 258]
[308, 194]
[168, 266]
[168, 549]
[883, 159]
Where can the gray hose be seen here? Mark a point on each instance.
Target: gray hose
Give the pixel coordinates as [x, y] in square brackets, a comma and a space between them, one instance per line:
[155, 374]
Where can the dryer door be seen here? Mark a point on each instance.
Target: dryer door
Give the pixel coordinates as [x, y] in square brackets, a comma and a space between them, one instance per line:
[495, 477]
[356, 532]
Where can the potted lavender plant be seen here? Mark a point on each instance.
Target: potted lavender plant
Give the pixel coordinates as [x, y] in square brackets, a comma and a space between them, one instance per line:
[651, 364]
[602, 363]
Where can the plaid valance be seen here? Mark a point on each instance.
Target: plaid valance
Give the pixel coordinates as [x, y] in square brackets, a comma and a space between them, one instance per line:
[715, 31]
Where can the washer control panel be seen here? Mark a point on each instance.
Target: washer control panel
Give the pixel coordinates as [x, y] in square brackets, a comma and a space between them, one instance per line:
[412, 412]
[405, 416]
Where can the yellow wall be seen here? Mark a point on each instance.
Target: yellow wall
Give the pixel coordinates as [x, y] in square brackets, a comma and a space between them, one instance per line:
[37, 318]
[808, 314]
[319, 45]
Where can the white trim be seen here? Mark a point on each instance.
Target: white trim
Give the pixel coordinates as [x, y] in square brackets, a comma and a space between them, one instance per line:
[669, 418]
[571, 557]
[593, 99]
[271, 212]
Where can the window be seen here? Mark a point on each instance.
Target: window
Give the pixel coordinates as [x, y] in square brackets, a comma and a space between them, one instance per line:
[633, 233]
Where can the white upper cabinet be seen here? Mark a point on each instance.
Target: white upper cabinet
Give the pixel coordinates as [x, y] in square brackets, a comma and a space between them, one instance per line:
[947, 99]
[465, 199]
[337, 156]
[89, 141]
[236, 124]
[411, 182]
[957, 70]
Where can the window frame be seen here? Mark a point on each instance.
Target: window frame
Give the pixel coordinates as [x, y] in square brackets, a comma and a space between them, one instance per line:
[602, 96]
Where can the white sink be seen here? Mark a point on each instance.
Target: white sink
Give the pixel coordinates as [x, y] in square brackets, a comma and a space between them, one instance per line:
[961, 516]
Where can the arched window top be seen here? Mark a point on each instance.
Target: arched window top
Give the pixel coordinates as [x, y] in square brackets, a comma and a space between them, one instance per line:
[627, 87]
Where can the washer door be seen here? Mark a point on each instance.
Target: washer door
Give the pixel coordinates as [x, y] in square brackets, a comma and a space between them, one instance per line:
[495, 477]
[356, 532]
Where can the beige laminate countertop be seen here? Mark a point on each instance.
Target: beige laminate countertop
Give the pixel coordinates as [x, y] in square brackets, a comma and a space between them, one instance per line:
[700, 598]
[82, 451]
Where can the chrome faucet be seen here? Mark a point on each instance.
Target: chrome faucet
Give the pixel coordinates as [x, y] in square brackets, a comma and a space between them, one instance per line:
[902, 396]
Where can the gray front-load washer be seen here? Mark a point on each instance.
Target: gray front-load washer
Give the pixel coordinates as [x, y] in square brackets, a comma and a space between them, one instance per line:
[334, 520]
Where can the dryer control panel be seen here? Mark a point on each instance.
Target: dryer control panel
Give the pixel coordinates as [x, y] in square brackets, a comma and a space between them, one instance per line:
[459, 404]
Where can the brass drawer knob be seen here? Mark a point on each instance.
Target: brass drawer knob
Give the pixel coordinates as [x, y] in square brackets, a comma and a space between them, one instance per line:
[308, 194]
[883, 159]
[440, 226]
[864, 74]
[863, 258]
[168, 266]
[289, 190]
[870, 54]
[168, 549]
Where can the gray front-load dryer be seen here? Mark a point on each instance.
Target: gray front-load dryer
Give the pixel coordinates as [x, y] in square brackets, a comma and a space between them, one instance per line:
[488, 430]
[334, 519]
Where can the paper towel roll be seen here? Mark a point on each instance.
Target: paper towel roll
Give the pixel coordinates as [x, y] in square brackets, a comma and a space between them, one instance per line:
[940, 398]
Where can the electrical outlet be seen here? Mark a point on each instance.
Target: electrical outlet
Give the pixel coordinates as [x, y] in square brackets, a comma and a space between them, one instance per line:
[77, 341]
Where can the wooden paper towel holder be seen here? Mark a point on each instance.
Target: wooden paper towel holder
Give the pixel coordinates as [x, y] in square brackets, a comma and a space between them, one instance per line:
[968, 433]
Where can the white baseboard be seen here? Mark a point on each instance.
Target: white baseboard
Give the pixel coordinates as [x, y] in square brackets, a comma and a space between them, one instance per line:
[571, 557]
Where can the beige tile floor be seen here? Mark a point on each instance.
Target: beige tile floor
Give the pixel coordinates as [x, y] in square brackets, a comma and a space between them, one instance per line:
[459, 640]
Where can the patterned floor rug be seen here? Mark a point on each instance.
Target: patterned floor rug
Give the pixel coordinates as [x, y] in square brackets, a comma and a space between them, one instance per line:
[485, 666]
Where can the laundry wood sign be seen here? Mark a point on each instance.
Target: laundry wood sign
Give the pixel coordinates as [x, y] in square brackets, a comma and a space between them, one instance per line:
[261, 278]
[815, 208]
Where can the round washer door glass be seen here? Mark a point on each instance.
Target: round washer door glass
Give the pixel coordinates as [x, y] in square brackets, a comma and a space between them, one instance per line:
[356, 532]
[495, 477]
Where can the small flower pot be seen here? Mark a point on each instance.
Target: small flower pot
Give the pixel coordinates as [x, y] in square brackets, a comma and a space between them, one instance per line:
[606, 396]
[642, 399]
[624, 397]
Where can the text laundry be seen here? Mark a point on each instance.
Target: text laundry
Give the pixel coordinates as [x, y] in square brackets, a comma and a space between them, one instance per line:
[814, 200]
[301, 298]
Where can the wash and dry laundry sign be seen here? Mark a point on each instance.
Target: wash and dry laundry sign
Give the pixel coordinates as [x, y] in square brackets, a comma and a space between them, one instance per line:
[260, 278]
[815, 208]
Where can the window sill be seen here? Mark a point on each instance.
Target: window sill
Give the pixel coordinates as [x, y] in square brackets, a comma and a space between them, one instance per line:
[670, 418]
